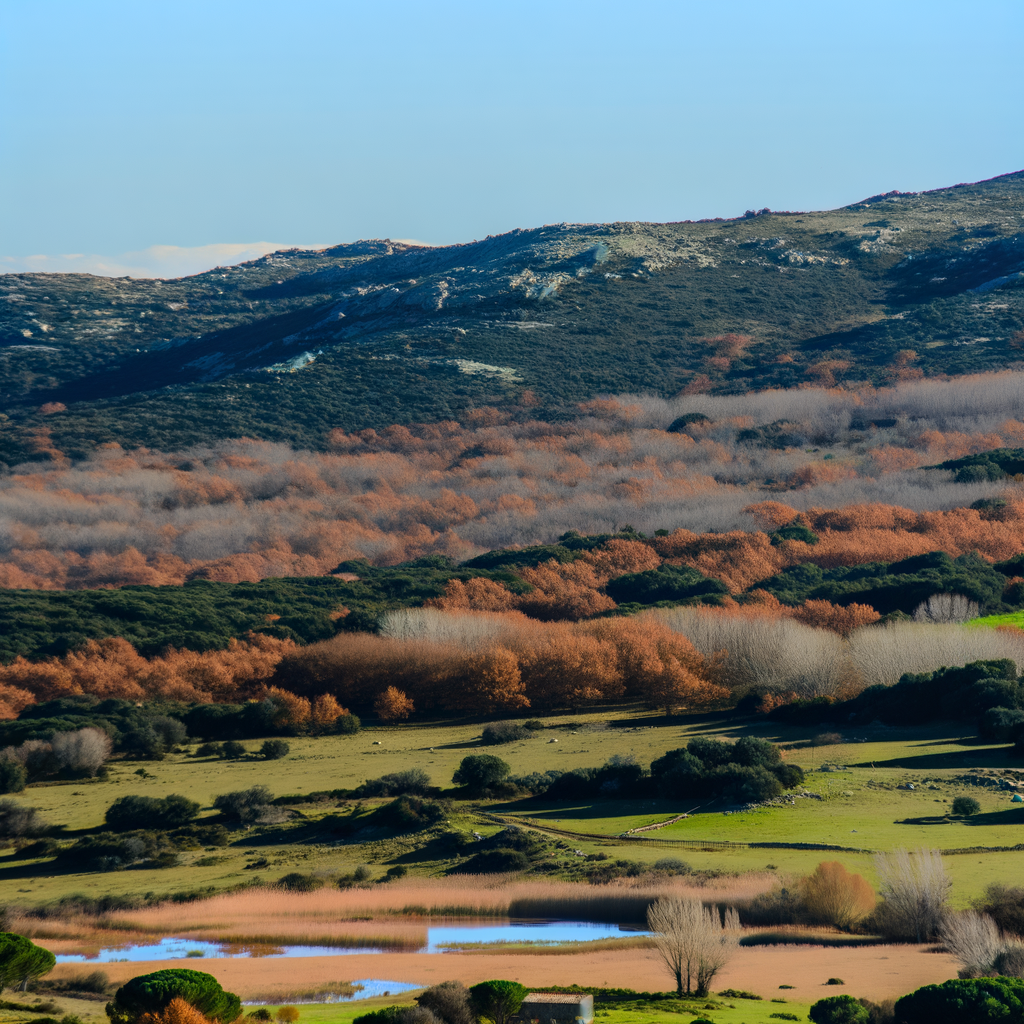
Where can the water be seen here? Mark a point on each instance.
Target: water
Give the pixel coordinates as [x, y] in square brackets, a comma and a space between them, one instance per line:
[371, 987]
[438, 940]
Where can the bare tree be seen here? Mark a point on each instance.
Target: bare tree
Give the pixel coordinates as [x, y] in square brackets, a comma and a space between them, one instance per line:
[914, 890]
[84, 750]
[973, 939]
[947, 608]
[692, 942]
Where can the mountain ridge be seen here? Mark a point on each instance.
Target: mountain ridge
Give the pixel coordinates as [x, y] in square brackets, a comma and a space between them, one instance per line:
[374, 332]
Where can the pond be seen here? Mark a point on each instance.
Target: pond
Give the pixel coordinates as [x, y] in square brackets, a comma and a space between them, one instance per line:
[439, 939]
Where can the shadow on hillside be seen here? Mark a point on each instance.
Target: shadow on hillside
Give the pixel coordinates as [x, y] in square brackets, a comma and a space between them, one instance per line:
[1010, 816]
[990, 757]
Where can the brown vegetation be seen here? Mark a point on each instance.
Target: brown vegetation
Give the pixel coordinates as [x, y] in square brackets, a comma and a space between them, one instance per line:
[246, 510]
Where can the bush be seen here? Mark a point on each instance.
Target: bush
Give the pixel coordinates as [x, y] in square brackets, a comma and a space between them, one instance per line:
[209, 750]
[232, 750]
[347, 725]
[150, 993]
[128, 813]
[12, 776]
[394, 873]
[298, 882]
[449, 1002]
[245, 805]
[110, 851]
[411, 782]
[493, 862]
[835, 897]
[274, 750]
[998, 725]
[976, 1000]
[965, 806]
[16, 820]
[412, 812]
[839, 1010]
[287, 1014]
[478, 771]
[1005, 905]
[504, 732]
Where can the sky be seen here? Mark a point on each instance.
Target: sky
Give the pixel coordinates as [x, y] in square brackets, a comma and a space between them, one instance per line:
[165, 137]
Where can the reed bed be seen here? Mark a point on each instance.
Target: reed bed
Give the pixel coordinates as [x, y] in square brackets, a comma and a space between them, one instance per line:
[329, 992]
[322, 916]
[559, 949]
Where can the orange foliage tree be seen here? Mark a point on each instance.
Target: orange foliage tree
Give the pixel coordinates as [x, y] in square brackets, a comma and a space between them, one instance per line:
[392, 704]
[836, 897]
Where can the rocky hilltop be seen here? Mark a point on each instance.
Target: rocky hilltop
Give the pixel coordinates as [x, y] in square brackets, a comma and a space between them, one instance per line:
[373, 333]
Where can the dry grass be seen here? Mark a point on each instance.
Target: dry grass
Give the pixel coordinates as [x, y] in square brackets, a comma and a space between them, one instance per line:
[392, 917]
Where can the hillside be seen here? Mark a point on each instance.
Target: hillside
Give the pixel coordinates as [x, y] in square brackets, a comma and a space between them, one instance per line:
[298, 343]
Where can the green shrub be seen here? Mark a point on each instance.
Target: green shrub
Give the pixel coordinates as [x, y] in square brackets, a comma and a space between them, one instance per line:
[128, 813]
[493, 862]
[976, 1000]
[12, 776]
[965, 806]
[274, 750]
[412, 812]
[209, 750]
[232, 750]
[21, 960]
[839, 1010]
[478, 771]
[504, 732]
[245, 805]
[411, 782]
[298, 882]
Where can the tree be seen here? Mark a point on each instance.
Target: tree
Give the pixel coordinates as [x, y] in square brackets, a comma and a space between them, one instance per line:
[691, 941]
[21, 960]
[914, 890]
[836, 897]
[498, 1000]
[392, 704]
[83, 750]
[478, 771]
[152, 993]
[18, 820]
[839, 1010]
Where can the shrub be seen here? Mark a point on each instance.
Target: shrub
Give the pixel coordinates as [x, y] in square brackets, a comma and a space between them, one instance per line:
[834, 896]
[839, 1010]
[998, 725]
[914, 890]
[362, 873]
[131, 812]
[478, 771]
[504, 732]
[232, 750]
[1010, 962]
[977, 1000]
[82, 751]
[287, 1014]
[973, 939]
[394, 873]
[965, 806]
[392, 705]
[347, 725]
[245, 805]
[210, 750]
[12, 776]
[261, 1014]
[16, 820]
[150, 993]
[298, 882]
[411, 782]
[493, 862]
[412, 812]
[274, 750]
[110, 851]
[449, 1002]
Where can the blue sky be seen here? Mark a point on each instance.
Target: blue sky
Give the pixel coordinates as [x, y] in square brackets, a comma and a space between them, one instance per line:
[127, 125]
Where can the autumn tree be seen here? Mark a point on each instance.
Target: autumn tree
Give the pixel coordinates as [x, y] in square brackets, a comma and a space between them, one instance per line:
[834, 896]
[691, 941]
[392, 704]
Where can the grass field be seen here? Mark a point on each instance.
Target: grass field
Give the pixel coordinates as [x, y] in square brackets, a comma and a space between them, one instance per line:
[862, 806]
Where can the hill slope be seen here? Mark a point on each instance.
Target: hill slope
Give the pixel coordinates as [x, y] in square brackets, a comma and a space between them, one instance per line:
[365, 335]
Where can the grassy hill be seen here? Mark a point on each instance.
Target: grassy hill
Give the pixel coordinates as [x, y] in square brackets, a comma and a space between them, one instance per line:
[365, 335]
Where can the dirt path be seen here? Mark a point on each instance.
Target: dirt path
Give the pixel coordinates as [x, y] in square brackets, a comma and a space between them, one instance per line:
[877, 972]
